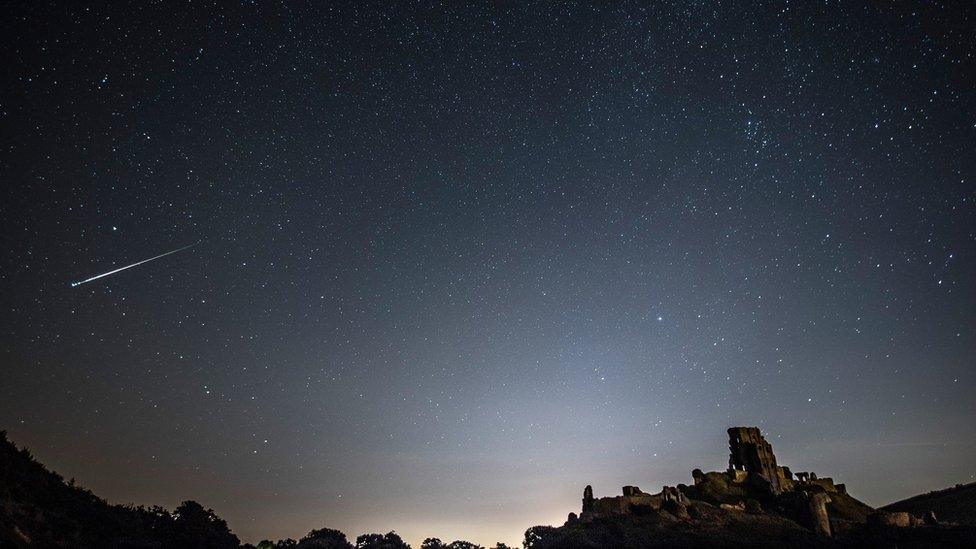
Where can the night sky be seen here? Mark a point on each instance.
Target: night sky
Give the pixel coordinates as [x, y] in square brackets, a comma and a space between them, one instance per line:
[455, 262]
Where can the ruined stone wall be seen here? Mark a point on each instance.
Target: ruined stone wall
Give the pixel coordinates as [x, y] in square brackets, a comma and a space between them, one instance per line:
[826, 483]
[633, 501]
[785, 478]
[624, 505]
[749, 451]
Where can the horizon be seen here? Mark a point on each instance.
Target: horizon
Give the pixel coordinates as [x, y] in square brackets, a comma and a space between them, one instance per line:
[452, 263]
[418, 531]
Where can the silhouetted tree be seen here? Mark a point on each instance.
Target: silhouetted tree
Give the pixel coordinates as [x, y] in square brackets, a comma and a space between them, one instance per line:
[539, 536]
[193, 526]
[379, 541]
[461, 544]
[435, 543]
[326, 538]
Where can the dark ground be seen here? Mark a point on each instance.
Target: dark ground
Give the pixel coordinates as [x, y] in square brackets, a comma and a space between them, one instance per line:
[39, 509]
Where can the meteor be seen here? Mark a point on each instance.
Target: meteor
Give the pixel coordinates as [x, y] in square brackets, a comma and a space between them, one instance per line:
[96, 277]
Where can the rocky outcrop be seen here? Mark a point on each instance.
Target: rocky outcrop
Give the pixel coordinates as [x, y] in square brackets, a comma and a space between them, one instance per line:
[897, 519]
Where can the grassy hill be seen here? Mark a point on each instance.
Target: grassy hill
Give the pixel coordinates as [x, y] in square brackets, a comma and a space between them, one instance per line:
[847, 507]
[956, 504]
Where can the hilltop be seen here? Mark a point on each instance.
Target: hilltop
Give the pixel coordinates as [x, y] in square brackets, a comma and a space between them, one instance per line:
[755, 503]
[956, 504]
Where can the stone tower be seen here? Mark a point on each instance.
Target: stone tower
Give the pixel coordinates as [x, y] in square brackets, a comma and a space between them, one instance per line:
[588, 499]
[749, 452]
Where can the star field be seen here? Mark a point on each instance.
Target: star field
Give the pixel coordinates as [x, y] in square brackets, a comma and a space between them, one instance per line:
[458, 261]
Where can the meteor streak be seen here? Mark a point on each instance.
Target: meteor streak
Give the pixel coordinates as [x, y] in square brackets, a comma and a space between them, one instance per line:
[96, 277]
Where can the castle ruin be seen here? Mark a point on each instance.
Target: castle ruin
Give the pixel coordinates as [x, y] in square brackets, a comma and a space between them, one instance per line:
[749, 453]
[751, 458]
[752, 470]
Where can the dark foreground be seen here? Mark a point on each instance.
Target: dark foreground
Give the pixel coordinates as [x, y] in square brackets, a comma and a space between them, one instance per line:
[39, 509]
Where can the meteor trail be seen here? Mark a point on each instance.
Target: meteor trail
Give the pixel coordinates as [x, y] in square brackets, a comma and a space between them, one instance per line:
[96, 277]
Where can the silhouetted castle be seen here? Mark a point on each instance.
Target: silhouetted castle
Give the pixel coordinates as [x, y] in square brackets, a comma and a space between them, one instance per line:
[751, 459]
[753, 479]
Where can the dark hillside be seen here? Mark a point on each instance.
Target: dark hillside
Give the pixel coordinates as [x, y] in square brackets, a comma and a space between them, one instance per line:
[39, 509]
[956, 504]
